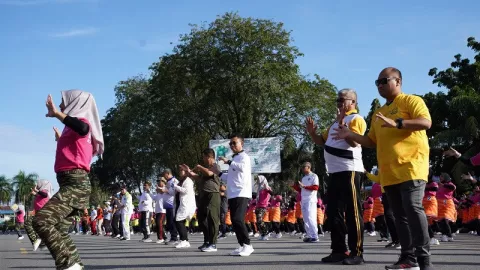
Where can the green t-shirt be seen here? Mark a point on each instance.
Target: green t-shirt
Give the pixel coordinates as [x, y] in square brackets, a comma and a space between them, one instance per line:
[209, 184]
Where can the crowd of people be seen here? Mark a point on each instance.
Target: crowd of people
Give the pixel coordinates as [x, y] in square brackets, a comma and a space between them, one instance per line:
[406, 204]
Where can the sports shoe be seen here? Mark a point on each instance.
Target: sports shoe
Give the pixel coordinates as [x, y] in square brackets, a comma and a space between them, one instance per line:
[372, 233]
[444, 238]
[160, 241]
[434, 241]
[391, 245]
[246, 251]
[223, 236]
[424, 263]
[203, 246]
[353, 260]
[256, 235]
[250, 234]
[404, 263]
[148, 240]
[76, 266]
[237, 251]
[42, 248]
[20, 237]
[183, 244]
[383, 239]
[210, 248]
[36, 244]
[278, 235]
[335, 258]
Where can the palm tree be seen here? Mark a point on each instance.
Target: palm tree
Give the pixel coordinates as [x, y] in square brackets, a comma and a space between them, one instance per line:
[6, 190]
[23, 184]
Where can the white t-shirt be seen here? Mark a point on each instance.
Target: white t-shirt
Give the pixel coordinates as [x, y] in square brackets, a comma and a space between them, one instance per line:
[309, 180]
[158, 199]
[239, 177]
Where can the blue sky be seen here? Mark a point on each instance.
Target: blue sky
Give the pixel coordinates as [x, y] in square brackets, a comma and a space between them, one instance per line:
[51, 45]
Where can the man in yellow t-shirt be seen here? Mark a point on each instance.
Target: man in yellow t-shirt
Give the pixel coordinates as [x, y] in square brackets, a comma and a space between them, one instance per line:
[398, 131]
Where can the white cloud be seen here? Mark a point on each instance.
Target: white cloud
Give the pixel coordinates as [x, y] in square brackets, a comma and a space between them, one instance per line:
[75, 33]
[41, 2]
[28, 150]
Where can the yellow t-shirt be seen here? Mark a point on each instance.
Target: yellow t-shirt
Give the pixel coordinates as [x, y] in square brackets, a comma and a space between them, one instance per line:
[402, 155]
[357, 125]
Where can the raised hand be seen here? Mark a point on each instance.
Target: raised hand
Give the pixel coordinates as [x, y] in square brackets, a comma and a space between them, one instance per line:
[51, 109]
[341, 133]
[388, 122]
[341, 116]
[310, 125]
[452, 153]
[57, 133]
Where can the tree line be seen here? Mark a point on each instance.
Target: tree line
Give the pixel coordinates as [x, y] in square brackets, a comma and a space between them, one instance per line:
[239, 75]
[18, 188]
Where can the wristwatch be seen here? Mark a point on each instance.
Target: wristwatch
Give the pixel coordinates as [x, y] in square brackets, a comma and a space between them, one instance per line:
[399, 122]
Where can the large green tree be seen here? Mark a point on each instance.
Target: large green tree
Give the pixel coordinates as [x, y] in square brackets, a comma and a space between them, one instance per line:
[456, 114]
[370, 154]
[6, 190]
[234, 75]
[23, 184]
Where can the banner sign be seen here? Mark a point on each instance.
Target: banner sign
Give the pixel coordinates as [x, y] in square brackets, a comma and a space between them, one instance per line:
[264, 153]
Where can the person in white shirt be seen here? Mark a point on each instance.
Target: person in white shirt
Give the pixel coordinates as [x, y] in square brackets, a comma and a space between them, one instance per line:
[93, 222]
[239, 192]
[309, 186]
[145, 207]
[185, 207]
[343, 159]
[107, 212]
[160, 210]
[126, 211]
[169, 204]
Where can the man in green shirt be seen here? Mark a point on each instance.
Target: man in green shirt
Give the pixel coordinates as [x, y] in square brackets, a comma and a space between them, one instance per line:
[208, 213]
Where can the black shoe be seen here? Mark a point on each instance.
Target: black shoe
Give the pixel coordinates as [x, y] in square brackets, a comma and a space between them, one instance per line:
[391, 244]
[354, 260]
[383, 239]
[404, 262]
[335, 258]
[306, 240]
[203, 246]
[424, 263]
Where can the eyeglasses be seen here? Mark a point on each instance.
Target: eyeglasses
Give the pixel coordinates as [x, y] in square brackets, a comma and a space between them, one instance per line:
[383, 81]
[341, 100]
[232, 143]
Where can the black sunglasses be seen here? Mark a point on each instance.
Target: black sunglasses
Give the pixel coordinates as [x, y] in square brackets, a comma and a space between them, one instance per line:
[384, 80]
[232, 143]
[341, 100]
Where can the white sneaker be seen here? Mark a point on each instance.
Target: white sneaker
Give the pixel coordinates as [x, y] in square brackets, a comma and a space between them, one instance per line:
[250, 234]
[444, 238]
[372, 233]
[160, 241]
[246, 251]
[321, 234]
[183, 244]
[278, 235]
[237, 251]
[434, 241]
[148, 240]
[20, 237]
[76, 266]
[36, 244]
[256, 235]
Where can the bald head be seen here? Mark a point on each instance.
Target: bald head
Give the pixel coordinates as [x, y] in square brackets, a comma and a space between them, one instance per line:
[389, 83]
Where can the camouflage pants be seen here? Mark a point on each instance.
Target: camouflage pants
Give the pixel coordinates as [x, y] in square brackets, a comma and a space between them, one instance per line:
[260, 212]
[32, 235]
[51, 223]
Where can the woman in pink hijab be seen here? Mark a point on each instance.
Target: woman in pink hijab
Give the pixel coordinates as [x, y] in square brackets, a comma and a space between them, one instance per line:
[80, 140]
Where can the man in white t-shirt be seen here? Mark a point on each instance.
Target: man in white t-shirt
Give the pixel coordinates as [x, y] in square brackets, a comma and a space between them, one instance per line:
[309, 186]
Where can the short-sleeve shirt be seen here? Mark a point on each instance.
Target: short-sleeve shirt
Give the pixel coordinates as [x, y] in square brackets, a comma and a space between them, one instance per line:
[402, 154]
[209, 184]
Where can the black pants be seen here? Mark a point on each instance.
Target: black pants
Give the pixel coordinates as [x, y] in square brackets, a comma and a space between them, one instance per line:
[344, 212]
[389, 219]
[238, 209]
[276, 227]
[381, 226]
[369, 226]
[320, 229]
[445, 227]
[208, 215]
[223, 225]
[171, 226]
[115, 225]
[107, 225]
[145, 224]
[300, 225]
[182, 229]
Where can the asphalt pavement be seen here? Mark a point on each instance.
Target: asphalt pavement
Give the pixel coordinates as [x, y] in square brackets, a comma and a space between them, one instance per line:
[99, 252]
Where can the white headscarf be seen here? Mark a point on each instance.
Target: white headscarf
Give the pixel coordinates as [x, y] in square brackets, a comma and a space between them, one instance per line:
[45, 185]
[82, 105]
[262, 181]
